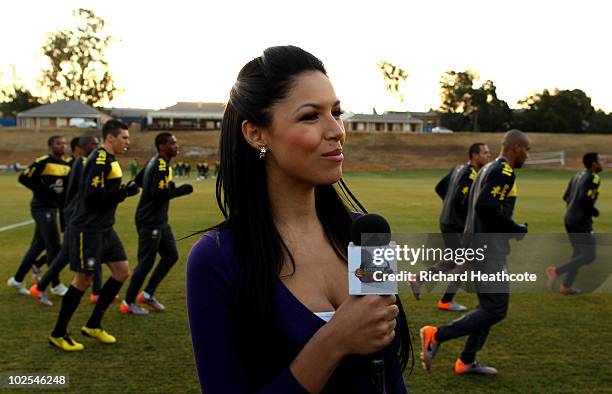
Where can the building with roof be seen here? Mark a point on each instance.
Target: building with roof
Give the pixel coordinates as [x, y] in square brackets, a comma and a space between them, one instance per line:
[131, 116]
[187, 116]
[59, 114]
[397, 122]
[430, 119]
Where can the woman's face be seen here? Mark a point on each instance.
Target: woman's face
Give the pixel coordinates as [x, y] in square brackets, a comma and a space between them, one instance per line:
[306, 135]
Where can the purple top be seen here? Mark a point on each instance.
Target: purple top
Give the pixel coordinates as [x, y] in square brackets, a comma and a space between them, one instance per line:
[211, 273]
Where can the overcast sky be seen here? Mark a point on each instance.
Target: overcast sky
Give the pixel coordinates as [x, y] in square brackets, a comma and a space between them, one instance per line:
[192, 50]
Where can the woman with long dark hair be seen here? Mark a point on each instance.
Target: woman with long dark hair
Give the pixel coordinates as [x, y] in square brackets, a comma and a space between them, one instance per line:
[267, 289]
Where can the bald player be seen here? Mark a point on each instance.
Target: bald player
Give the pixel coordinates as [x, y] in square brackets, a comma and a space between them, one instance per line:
[490, 208]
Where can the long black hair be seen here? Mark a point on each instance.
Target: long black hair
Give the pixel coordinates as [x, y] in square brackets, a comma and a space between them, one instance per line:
[242, 196]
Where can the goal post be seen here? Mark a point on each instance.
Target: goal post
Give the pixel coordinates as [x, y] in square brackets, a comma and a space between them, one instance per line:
[606, 159]
[547, 158]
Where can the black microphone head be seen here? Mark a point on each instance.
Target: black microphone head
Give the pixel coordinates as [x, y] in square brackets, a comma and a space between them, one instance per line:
[374, 229]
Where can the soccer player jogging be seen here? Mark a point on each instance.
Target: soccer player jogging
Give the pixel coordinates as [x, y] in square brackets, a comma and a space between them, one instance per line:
[58, 288]
[490, 209]
[580, 198]
[92, 238]
[86, 144]
[454, 190]
[45, 178]
[154, 233]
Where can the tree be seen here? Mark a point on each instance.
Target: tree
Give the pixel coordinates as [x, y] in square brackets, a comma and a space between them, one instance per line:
[77, 66]
[21, 100]
[15, 97]
[394, 78]
[561, 111]
[465, 107]
[600, 122]
[455, 91]
[490, 113]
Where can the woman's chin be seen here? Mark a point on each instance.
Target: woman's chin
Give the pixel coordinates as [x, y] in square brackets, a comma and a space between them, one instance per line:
[330, 178]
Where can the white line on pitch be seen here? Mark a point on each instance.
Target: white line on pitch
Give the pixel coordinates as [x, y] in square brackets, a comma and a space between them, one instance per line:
[12, 226]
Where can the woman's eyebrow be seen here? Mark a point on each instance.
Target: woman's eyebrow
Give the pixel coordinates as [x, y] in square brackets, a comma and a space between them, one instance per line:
[315, 105]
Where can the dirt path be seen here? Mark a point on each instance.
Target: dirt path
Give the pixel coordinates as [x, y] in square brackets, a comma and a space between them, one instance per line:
[363, 151]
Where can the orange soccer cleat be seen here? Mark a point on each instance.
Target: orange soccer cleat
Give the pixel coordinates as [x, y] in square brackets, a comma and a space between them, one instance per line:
[429, 345]
[477, 368]
[552, 277]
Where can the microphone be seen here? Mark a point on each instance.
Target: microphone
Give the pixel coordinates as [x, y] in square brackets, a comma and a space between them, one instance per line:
[370, 231]
[370, 237]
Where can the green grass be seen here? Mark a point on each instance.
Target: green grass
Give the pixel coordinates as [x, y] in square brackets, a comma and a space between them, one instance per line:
[548, 343]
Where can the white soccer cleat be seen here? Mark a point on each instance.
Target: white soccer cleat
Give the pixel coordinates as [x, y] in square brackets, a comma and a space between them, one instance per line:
[59, 290]
[43, 300]
[145, 299]
[40, 296]
[132, 309]
[20, 286]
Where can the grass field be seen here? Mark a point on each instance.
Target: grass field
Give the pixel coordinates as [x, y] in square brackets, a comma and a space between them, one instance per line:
[548, 343]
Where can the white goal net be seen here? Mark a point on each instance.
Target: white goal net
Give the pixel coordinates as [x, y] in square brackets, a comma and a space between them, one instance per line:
[547, 158]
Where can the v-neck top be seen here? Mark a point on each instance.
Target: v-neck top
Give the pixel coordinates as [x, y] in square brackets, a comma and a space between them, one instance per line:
[211, 282]
[326, 316]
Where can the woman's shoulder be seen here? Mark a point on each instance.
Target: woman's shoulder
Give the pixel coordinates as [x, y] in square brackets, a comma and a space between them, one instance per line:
[212, 253]
[217, 241]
